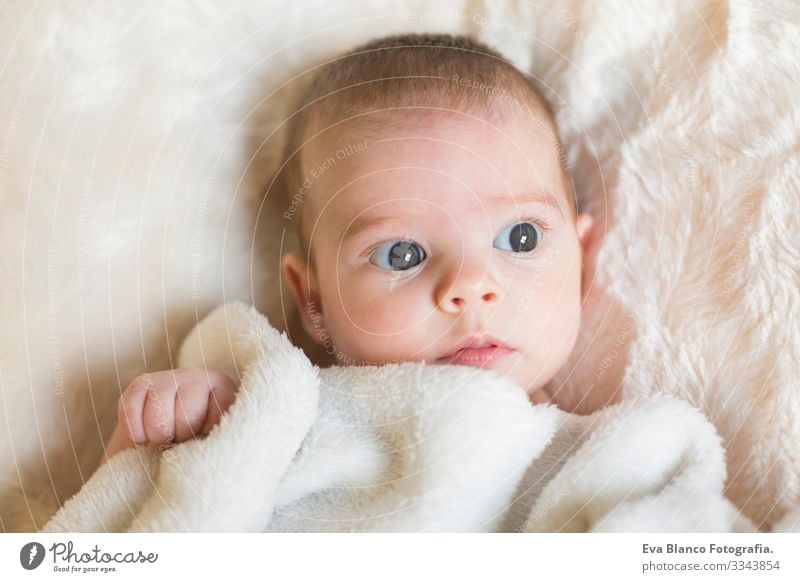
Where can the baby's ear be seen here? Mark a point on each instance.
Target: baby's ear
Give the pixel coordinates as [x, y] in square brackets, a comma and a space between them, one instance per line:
[302, 283]
[587, 239]
[585, 228]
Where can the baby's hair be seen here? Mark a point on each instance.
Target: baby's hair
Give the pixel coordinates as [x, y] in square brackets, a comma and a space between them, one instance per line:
[416, 74]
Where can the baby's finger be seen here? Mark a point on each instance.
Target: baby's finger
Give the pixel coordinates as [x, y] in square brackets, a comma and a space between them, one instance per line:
[159, 414]
[220, 398]
[191, 405]
[130, 410]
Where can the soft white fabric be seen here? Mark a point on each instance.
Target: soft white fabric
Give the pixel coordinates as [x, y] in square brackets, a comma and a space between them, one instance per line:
[404, 447]
[137, 141]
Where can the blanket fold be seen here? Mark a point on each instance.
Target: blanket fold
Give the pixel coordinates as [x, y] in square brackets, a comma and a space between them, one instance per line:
[403, 447]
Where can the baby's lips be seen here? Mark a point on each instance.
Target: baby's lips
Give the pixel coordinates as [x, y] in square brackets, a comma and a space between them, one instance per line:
[476, 342]
[477, 356]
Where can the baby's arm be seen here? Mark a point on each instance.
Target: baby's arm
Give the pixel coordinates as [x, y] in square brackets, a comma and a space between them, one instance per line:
[169, 407]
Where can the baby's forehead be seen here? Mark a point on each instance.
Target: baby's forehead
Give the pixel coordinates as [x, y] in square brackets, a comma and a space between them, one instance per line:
[426, 137]
[442, 158]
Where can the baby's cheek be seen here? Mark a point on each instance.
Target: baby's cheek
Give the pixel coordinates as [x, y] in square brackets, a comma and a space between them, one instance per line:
[561, 323]
[380, 309]
[377, 325]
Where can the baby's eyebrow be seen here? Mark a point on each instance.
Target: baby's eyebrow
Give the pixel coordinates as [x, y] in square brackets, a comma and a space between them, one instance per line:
[363, 223]
[542, 197]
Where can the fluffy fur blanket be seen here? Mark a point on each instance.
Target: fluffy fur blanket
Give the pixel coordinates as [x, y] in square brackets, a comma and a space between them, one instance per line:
[137, 140]
[409, 447]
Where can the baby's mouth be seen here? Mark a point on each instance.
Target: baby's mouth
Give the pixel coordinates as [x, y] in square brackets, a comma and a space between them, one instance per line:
[477, 352]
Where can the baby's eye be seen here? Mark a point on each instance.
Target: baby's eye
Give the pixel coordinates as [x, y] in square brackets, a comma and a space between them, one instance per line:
[520, 237]
[397, 255]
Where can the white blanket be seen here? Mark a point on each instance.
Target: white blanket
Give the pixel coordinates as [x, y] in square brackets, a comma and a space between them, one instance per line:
[404, 447]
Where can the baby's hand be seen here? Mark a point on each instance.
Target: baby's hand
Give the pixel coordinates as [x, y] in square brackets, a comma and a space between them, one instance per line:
[169, 407]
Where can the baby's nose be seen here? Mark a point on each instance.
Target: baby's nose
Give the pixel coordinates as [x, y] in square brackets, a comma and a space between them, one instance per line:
[469, 287]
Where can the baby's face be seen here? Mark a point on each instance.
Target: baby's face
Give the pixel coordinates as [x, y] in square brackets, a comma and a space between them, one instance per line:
[440, 233]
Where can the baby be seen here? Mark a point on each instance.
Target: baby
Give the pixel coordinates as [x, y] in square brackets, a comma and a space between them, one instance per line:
[436, 222]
